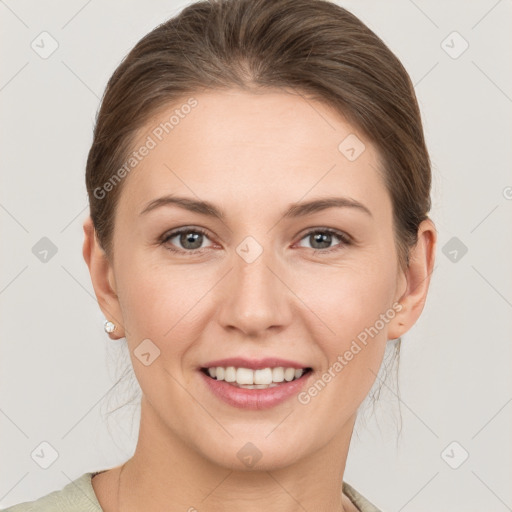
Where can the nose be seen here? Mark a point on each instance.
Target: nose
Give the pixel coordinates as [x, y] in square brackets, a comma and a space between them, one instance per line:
[256, 297]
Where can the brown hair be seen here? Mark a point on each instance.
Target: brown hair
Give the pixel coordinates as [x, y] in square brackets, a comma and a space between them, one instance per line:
[314, 47]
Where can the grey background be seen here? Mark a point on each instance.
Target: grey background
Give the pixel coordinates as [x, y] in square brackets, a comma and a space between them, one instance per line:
[57, 367]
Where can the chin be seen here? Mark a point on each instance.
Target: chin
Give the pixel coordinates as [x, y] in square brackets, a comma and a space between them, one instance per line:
[255, 454]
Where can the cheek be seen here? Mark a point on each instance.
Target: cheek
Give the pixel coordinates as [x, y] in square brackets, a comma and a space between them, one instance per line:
[168, 301]
[351, 313]
[161, 302]
[352, 307]
[347, 298]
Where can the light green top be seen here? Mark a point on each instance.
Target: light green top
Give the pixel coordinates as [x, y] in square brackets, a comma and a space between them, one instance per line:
[79, 496]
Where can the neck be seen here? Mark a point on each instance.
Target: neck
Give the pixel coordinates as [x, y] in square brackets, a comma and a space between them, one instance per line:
[166, 474]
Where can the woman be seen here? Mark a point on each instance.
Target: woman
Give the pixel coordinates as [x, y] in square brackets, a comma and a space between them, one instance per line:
[259, 192]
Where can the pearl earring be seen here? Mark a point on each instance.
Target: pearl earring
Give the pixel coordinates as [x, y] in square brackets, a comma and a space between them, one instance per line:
[109, 326]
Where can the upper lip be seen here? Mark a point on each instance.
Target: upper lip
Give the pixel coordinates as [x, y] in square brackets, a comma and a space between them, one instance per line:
[255, 364]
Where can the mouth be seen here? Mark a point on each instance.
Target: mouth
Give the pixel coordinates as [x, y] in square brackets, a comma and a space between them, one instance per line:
[263, 378]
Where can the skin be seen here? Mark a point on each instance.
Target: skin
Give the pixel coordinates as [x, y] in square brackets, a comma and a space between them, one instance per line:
[251, 155]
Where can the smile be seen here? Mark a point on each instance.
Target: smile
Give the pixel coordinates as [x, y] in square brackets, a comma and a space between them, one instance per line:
[245, 388]
[255, 379]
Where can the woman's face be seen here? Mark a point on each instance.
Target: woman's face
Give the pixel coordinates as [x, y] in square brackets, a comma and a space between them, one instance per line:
[269, 279]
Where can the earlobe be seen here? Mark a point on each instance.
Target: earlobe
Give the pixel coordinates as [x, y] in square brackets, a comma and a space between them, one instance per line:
[417, 276]
[102, 278]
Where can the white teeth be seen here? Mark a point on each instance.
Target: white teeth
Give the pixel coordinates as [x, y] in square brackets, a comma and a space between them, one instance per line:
[263, 376]
[289, 374]
[278, 374]
[230, 374]
[219, 373]
[244, 376]
[255, 379]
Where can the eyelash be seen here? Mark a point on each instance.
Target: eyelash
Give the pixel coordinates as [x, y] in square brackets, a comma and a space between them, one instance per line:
[345, 239]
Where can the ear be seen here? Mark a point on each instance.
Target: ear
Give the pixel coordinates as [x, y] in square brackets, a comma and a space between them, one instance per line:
[102, 277]
[417, 281]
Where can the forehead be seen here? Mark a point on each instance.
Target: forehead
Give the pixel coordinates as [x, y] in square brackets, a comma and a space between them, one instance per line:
[253, 148]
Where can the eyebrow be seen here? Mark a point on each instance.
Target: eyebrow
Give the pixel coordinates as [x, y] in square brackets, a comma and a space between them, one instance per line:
[294, 210]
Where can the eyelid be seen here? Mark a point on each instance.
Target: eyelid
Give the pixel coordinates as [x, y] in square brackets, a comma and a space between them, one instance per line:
[345, 238]
[178, 231]
[324, 229]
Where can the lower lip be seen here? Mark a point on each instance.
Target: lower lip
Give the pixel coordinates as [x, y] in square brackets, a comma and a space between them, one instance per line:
[255, 398]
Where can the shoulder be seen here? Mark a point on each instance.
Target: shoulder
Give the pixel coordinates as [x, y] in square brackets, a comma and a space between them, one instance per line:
[362, 504]
[77, 496]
